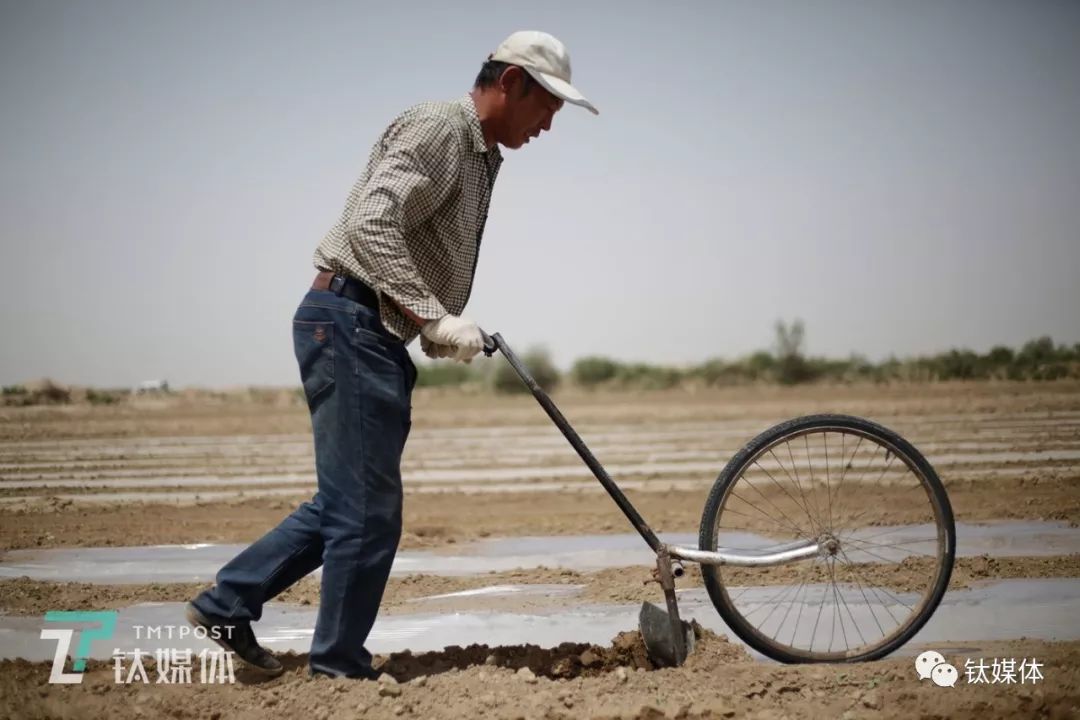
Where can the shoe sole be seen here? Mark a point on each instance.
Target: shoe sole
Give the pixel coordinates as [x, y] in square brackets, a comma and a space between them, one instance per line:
[197, 619]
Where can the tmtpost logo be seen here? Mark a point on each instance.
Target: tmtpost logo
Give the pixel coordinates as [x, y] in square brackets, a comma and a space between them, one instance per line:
[105, 626]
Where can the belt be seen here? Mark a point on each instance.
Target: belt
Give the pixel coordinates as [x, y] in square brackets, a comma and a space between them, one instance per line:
[349, 287]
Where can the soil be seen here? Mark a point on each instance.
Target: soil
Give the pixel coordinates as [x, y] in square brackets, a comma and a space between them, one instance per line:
[439, 519]
[1037, 425]
[24, 596]
[570, 681]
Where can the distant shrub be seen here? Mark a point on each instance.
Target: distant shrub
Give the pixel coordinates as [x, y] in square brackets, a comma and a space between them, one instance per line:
[45, 392]
[591, 371]
[49, 393]
[103, 397]
[641, 376]
[537, 361]
[443, 373]
[718, 373]
[1000, 355]
[1038, 359]
[760, 366]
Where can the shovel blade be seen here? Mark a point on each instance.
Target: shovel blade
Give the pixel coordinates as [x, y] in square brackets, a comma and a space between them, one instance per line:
[657, 631]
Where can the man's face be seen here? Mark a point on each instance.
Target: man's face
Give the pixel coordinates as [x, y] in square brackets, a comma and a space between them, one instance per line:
[525, 114]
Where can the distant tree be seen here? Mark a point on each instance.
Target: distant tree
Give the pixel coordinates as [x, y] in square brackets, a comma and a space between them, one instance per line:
[1037, 352]
[1039, 360]
[958, 365]
[1000, 357]
[791, 366]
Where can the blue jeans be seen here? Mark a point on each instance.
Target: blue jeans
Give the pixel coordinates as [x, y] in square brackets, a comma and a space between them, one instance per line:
[358, 381]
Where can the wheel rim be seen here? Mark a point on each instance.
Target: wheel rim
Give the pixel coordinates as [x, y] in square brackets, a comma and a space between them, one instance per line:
[871, 582]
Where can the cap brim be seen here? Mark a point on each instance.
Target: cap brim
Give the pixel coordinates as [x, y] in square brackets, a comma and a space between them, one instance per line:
[562, 89]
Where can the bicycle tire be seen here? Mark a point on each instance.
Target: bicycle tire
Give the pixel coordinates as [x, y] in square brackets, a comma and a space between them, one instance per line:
[805, 426]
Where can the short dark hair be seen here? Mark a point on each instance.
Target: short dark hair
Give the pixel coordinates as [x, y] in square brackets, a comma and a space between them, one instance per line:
[492, 70]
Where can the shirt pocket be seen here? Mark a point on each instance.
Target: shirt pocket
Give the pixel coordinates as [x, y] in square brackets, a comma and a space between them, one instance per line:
[313, 343]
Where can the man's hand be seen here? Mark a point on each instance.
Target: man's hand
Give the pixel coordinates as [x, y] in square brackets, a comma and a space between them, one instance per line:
[460, 337]
[435, 351]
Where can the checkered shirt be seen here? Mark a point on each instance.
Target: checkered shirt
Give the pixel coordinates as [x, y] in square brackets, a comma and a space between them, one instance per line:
[412, 223]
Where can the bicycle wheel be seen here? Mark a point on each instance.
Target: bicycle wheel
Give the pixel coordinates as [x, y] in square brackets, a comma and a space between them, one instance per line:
[880, 515]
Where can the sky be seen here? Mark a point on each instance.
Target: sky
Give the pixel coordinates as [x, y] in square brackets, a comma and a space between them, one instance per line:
[904, 177]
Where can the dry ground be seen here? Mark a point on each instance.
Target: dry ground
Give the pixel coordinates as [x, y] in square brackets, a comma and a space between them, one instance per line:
[24, 596]
[572, 681]
[73, 453]
[437, 519]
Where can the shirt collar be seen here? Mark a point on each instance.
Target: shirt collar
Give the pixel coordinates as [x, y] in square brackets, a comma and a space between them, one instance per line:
[479, 145]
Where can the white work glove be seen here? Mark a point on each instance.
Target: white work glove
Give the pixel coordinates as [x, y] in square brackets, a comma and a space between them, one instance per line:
[460, 336]
[433, 350]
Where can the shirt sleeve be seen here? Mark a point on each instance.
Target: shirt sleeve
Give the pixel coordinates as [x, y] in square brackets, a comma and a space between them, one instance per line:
[416, 173]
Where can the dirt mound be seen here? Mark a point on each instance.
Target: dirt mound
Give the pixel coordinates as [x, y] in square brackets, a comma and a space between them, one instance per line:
[568, 660]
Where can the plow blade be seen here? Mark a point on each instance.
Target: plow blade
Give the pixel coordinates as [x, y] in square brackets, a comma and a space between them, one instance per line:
[668, 639]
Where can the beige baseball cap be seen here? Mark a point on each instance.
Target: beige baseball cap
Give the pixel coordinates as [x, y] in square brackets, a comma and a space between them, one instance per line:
[546, 59]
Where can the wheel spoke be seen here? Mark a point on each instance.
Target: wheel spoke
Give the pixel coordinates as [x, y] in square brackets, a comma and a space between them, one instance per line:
[790, 525]
[869, 605]
[857, 541]
[865, 538]
[772, 603]
[798, 480]
[797, 504]
[850, 614]
[843, 473]
[874, 589]
[799, 616]
[793, 602]
[828, 482]
[877, 483]
[788, 494]
[864, 608]
[813, 633]
[813, 484]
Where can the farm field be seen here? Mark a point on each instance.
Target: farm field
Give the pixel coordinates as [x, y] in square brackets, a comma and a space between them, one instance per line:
[500, 520]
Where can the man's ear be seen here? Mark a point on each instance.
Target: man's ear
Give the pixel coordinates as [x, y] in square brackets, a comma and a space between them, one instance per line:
[511, 78]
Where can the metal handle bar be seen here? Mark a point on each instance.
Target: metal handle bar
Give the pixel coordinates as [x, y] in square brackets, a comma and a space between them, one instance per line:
[496, 342]
[490, 346]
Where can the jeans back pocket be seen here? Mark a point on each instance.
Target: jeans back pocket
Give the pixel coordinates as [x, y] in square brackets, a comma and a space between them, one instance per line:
[313, 342]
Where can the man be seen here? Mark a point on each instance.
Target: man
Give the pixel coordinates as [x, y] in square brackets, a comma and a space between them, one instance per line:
[399, 263]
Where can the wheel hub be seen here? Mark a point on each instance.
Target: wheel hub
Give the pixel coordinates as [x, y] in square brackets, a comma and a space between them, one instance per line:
[829, 544]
